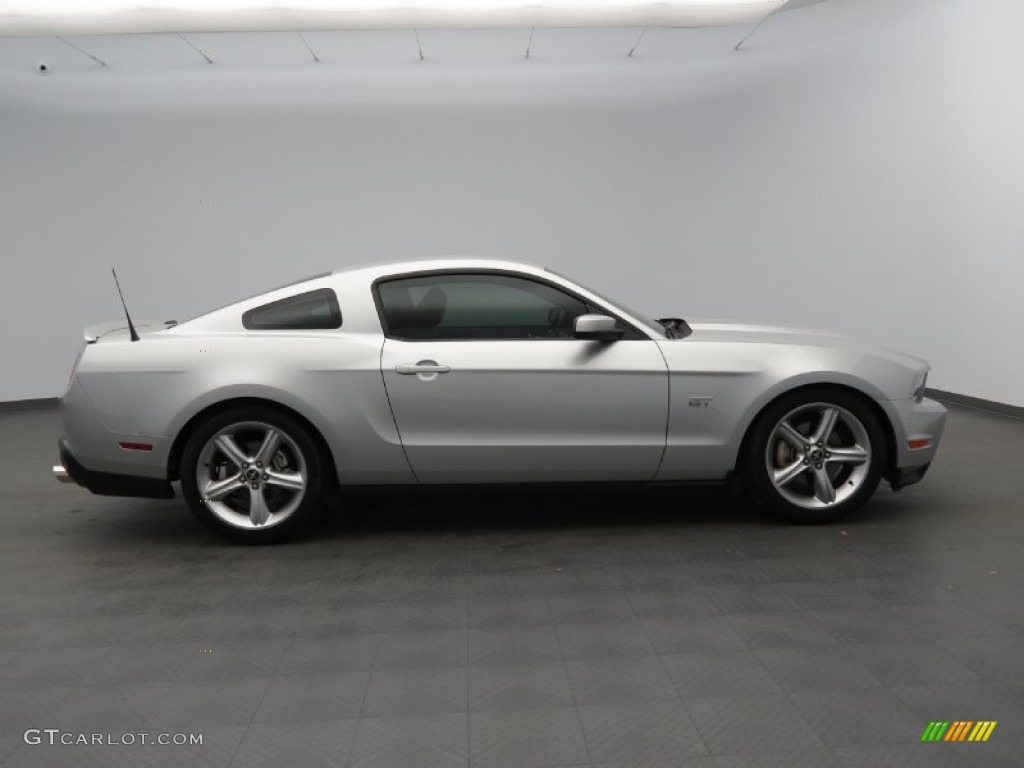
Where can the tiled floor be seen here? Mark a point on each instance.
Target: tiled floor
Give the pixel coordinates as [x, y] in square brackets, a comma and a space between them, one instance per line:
[662, 628]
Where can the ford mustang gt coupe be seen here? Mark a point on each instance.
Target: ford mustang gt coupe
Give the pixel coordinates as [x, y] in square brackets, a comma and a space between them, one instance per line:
[480, 372]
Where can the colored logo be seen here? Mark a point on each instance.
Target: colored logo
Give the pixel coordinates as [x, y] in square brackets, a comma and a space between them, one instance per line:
[959, 730]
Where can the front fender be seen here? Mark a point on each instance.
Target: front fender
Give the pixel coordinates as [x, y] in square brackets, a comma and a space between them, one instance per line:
[718, 389]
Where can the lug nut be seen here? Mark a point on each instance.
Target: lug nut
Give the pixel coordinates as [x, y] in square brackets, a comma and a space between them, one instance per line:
[245, 465]
[266, 476]
[828, 455]
[807, 461]
[255, 486]
[259, 463]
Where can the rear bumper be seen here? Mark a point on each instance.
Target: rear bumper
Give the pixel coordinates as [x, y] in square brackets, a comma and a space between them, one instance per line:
[107, 483]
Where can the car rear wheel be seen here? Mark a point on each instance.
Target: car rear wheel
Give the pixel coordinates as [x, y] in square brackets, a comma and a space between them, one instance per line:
[254, 475]
[816, 455]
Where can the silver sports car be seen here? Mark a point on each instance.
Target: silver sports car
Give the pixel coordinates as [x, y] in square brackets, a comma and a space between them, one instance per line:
[486, 372]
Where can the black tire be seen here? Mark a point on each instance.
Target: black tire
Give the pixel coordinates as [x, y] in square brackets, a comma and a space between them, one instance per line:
[298, 449]
[852, 485]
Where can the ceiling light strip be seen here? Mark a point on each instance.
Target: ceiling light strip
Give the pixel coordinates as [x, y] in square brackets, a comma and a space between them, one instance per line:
[64, 17]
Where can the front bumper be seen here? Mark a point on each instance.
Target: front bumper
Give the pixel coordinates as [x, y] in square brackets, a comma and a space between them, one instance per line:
[914, 423]
[107, 483]
[904, 476]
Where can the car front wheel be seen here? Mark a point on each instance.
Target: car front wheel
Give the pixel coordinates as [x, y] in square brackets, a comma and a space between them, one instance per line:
[254, 475]
[816, 455]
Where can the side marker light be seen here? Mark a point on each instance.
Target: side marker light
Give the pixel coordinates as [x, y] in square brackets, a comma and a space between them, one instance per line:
[136, 446]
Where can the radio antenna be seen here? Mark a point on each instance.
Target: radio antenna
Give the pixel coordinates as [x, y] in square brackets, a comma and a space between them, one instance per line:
[131, 328]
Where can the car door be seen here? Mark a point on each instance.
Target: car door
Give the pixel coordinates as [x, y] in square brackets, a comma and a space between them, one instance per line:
[487, 383]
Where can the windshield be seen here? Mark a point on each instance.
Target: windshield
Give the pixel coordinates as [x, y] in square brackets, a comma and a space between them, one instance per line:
[650, 324]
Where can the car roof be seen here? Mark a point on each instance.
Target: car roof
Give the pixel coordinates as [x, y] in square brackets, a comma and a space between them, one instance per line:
[360, 273]
[374, 270]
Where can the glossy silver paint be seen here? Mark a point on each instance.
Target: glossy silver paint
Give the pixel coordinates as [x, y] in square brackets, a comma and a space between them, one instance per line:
[405, 412]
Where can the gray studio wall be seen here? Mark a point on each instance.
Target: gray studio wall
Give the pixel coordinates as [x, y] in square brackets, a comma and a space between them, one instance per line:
[858, 167]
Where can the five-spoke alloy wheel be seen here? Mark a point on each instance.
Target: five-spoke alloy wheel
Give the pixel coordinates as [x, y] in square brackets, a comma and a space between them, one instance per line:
[253, 474]
[816, 455]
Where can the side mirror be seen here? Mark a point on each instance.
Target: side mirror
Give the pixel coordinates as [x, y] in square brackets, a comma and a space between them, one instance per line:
[596, 327]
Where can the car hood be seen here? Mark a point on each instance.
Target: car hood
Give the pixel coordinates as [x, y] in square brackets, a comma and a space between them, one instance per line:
[752, 333]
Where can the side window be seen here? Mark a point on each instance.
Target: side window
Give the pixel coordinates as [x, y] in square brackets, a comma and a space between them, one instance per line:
[315, 310]
[480, 306]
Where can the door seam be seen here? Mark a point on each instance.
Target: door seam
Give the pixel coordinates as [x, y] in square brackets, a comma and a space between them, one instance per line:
[394, 419]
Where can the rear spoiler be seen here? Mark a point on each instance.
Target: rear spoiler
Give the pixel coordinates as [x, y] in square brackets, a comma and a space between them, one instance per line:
[93, 332]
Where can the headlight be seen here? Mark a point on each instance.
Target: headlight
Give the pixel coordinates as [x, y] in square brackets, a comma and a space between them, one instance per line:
[920, 381]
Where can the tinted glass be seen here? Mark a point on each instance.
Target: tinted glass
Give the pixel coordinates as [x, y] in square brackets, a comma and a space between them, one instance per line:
[650, 323]
[315, 310]
[477, 307]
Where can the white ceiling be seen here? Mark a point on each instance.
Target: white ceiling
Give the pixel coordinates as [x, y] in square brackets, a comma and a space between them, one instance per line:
[383, 68]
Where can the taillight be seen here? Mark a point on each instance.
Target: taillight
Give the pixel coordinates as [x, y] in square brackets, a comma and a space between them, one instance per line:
[74, 368]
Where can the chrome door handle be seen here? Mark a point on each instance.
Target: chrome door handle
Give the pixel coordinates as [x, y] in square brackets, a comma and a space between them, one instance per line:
[423, 366]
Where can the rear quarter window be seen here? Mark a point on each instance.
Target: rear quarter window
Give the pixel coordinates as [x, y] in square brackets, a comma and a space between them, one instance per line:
[313, 310]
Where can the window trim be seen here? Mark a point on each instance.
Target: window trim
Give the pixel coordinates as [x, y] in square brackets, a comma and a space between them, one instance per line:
[328, 293]
[638, 334]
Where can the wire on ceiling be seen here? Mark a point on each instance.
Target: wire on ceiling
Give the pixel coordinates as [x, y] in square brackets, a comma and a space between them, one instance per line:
[308, 48]
[84, 53]
[419, 46]
[636, 43]
[194, 48]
